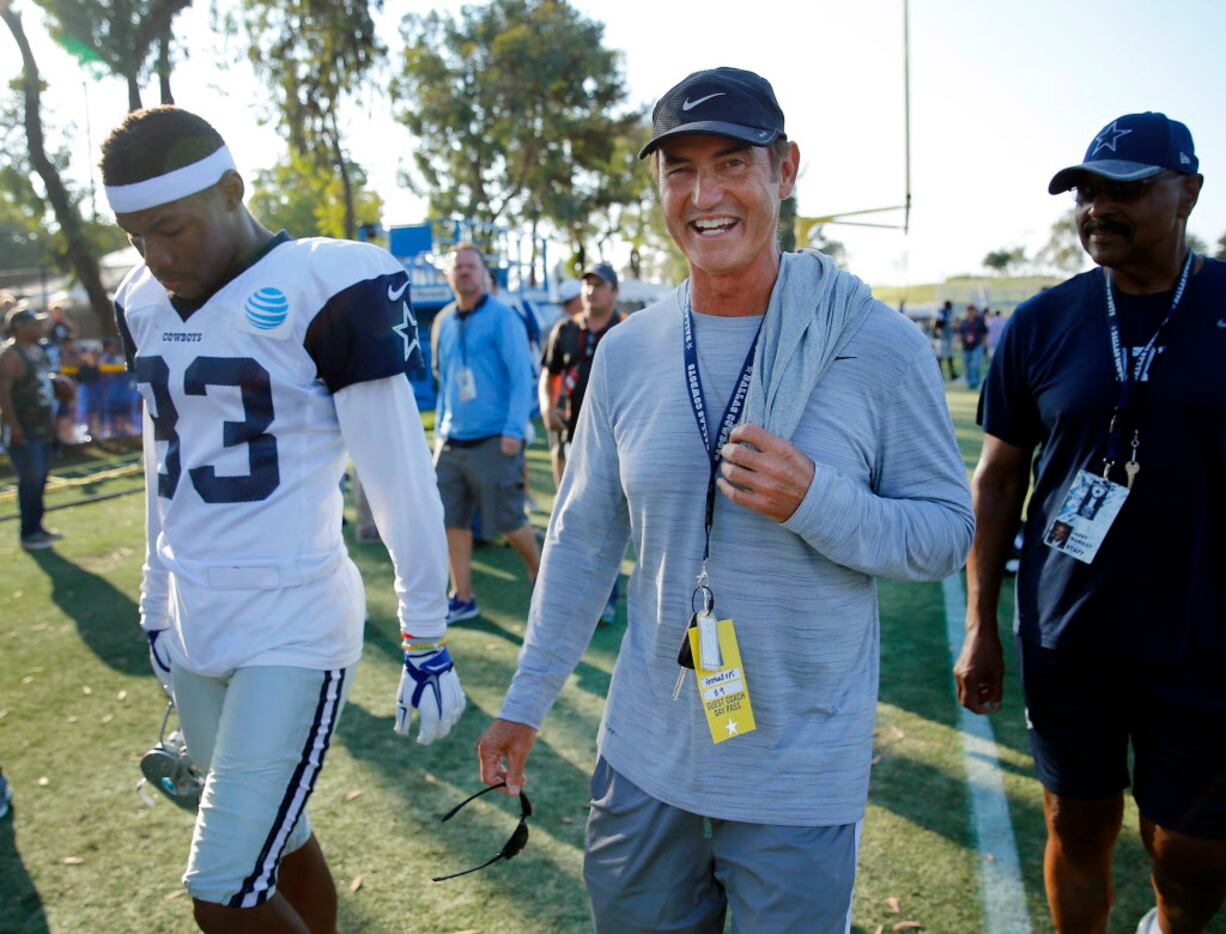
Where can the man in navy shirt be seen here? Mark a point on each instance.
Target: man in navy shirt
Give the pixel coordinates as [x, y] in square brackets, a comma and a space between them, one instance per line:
[1115, 375]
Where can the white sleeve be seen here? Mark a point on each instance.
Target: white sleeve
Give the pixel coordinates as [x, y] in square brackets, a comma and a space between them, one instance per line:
[383, 431]
[155, 583]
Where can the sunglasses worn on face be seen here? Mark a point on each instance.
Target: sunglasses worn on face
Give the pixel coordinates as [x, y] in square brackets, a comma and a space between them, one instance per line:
[1090, 190]
[510, 849]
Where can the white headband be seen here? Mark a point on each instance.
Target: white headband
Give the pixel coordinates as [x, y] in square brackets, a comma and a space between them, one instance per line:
[162, 189]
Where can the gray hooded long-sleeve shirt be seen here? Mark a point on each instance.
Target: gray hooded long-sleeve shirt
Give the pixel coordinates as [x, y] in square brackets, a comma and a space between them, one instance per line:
[889, 498]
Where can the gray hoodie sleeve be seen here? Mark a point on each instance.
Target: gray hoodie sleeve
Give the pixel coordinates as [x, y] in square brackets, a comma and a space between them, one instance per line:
[915, 523]
[584, 546]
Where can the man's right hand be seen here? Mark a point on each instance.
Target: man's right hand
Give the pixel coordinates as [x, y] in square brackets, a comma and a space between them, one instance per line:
[557, 421]
[159, 660]
[980, 672]
[502, 750]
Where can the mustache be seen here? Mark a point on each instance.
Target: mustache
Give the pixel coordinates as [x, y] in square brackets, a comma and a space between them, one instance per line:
[1089, 228]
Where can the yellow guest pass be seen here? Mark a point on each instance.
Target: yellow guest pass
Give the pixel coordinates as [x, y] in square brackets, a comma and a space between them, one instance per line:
[723, 690]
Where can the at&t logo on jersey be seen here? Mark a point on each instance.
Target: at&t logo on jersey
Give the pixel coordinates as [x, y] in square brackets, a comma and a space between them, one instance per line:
[266, 309]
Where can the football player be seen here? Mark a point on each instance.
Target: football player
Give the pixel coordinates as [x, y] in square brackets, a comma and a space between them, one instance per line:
[262, 361]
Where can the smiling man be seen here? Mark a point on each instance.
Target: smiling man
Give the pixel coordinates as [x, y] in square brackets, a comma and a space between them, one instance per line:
[262, 361]
[772, 439]
[1116, 377]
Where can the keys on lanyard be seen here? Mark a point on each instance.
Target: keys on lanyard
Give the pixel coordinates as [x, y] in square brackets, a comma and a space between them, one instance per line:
[704, 621]
[1133, 467]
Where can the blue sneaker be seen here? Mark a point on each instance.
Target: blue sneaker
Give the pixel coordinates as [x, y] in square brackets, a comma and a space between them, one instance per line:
[610, 613]
[6, 794]
[459, 610]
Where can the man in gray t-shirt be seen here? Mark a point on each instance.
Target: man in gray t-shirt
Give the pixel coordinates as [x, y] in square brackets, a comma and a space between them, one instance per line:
[843, 467]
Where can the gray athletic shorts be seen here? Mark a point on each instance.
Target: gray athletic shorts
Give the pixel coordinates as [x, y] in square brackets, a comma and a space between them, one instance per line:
[262, 733]
[651, 867]
[481, 477]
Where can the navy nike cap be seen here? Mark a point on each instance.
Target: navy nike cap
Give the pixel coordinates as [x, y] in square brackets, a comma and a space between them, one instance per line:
[1133, 147]
[720, 102]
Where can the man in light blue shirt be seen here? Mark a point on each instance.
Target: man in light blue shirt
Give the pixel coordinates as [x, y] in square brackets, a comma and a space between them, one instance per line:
[484, 402]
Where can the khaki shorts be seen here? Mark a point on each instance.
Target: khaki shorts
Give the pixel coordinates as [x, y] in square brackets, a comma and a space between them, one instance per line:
[479, 477]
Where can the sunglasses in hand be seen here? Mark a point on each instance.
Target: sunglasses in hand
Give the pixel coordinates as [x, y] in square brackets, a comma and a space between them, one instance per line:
[512, 848]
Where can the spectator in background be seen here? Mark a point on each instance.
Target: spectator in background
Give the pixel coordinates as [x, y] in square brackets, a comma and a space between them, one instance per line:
[90, 401]
[568, 358]
[27, 404]
[484, 400]
[116, 390]
[943, 338]
[996, 326]
[61, 329]
[66, 417]
[570, 298]
[973, 333]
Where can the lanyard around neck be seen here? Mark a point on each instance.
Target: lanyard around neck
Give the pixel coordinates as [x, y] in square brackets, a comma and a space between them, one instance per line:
[1139, 371]
[732, 413]
[1127, 377]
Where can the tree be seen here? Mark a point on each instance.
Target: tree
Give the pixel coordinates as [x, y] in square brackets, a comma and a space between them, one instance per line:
[315, 56]
[1004, 261]
[1196, 244]
[77, 248]
[298, 196]
[120, 34]
[787, 224]
[1221, 247]
[515, 103]
[1063, 251]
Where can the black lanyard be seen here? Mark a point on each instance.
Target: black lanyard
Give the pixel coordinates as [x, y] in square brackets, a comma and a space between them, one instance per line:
[732, 414]
[1126, 377]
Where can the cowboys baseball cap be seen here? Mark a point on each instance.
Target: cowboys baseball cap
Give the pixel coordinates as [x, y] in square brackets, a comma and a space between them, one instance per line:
[20, 314]
[721, 102]
[601, 271]
[1133, 147]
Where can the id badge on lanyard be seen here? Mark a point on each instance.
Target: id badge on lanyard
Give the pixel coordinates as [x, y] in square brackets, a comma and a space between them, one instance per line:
[466, 382]
[1094, 500]
[709, 646]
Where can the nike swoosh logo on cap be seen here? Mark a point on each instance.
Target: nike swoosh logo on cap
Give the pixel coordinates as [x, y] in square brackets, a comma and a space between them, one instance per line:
[688, 104]
[393, 295]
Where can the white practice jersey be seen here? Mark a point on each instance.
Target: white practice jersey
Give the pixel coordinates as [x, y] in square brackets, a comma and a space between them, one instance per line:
[244, 449]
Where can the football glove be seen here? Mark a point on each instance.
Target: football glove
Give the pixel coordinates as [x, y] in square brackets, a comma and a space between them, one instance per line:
[430, 686]
[159, 660]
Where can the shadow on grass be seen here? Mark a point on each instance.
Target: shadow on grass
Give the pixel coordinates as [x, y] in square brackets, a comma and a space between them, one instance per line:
[104, 615]
[432, 779]
[21, 907]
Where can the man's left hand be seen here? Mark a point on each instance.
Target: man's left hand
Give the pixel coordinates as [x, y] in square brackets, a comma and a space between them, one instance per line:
[771, 477]
[510, 446]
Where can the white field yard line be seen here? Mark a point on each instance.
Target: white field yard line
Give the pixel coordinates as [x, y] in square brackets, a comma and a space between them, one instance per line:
[1000, 878]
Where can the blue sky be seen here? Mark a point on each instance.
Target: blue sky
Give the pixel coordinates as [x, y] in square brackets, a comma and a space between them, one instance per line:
[1003, 94]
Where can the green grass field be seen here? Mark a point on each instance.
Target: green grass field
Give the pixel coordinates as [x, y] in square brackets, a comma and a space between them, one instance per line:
[78, 707]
